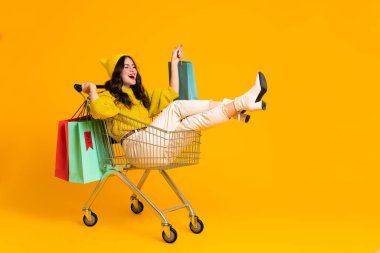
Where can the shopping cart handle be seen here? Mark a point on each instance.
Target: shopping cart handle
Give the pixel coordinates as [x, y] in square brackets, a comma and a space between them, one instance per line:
[78, 87]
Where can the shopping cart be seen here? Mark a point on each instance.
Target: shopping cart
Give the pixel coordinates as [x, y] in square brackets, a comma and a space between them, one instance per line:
[149, 148]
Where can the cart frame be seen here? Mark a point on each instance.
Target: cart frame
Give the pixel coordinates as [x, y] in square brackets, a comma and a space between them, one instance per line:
[115, 162]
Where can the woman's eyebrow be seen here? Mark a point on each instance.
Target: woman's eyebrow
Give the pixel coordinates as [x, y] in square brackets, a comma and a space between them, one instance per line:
[129, 65]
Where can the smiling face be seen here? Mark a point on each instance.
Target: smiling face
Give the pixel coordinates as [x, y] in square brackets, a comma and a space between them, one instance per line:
[129, 73]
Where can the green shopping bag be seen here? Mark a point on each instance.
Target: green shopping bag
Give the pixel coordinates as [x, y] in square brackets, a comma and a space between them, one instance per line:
[187, 84]
[85, 153]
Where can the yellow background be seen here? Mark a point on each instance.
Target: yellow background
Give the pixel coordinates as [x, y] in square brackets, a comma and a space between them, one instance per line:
[301, 177]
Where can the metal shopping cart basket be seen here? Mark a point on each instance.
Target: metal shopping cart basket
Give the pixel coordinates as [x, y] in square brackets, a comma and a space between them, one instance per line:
[149, 148]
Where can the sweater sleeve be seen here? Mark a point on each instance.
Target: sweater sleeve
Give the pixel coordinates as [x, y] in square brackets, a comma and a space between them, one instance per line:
[160, 98]
[104, 107]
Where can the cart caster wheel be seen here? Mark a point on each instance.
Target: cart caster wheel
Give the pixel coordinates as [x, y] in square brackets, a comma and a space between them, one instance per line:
[139, 209]
[92, 222]
[199, 227]
[172, 238]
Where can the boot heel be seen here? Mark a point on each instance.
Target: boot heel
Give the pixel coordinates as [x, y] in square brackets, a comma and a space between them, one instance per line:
[243, 117]
[263, 86]
[263, 105]
[247, 118]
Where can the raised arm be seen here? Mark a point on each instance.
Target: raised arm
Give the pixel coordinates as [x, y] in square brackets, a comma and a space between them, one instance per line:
[174, 79]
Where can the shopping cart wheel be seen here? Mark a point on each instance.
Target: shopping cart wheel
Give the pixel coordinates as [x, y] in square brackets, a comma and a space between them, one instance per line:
[199, 227]
[139, 209]
[172, 238]
[92, 222]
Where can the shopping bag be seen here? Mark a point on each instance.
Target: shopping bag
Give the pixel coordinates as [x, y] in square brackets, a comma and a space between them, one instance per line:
[187, 85]
[61, 158]
[85, 165]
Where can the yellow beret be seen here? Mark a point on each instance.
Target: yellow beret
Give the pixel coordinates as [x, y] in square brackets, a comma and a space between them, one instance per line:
[110, 63]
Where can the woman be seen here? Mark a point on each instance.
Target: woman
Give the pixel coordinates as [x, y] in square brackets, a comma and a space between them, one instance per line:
[125, 95]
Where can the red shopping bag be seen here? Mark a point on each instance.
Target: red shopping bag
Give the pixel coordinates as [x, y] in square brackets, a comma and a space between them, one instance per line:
[61, 158]
[62, 155]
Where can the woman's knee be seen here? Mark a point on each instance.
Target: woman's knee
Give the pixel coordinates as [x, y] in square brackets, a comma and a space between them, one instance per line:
[176, 104]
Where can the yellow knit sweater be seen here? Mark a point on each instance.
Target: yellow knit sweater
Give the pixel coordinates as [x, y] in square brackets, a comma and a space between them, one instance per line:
[105, 107]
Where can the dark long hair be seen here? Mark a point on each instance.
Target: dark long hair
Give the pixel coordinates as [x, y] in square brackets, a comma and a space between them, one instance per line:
[116, 83]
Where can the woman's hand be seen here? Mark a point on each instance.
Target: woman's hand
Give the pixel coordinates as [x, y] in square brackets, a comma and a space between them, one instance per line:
[177, 54]
[88, 87]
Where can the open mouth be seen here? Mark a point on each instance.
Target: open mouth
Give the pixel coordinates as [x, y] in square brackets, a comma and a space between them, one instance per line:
[132, 77]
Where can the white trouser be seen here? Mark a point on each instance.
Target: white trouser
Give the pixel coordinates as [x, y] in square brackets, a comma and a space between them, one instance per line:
[153, 148]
